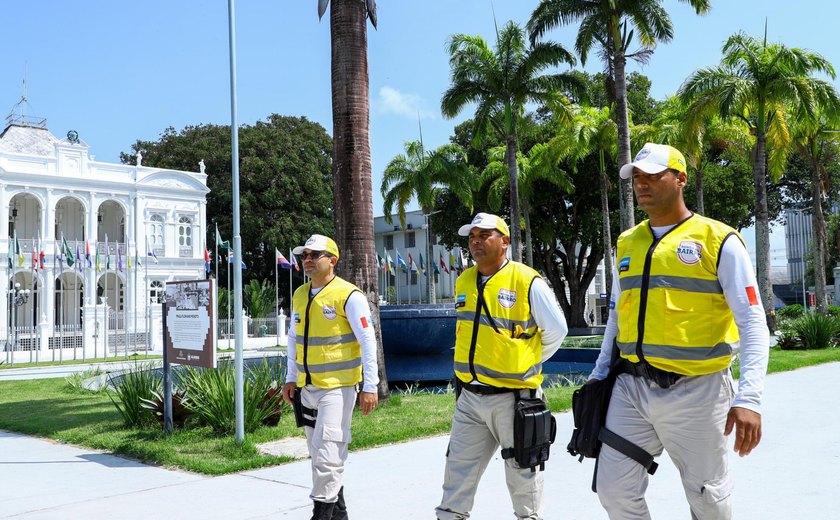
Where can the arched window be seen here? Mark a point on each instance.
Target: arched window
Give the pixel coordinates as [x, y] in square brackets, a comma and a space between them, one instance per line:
[156, 235]
[156, 292]
[185, 237]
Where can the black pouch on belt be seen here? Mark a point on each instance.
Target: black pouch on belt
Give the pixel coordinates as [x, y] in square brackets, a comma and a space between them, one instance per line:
[301, 412]
[534, 429]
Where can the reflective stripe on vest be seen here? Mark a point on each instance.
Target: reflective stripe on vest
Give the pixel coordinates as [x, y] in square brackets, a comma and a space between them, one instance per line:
[328, 354]
[672, 310]
[509, 354]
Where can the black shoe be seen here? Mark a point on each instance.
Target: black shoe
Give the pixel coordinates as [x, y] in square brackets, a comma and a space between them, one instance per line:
[340, 511]
[322, 510]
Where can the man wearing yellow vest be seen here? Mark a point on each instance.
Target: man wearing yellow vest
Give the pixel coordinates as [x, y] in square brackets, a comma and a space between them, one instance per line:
[508, 324]
[331, 349]
[684, 302]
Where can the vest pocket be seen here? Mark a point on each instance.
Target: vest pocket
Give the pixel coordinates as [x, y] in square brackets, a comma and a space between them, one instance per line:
[687, 319]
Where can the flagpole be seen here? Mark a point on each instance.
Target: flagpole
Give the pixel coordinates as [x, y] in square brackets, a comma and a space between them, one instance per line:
[291, 291]
[228, 300]
[146, 296]
[134, 299]
[125, 300]
[107, 316]
[276, 295]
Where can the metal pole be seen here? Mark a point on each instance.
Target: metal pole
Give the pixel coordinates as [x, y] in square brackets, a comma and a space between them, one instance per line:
[146, 296]
[167, 379]
[276, 298]
[237, 241]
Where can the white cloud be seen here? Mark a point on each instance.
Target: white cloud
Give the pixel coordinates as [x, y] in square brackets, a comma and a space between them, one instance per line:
[411, 106]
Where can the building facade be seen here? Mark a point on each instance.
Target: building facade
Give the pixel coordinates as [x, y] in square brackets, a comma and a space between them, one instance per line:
[89, 245]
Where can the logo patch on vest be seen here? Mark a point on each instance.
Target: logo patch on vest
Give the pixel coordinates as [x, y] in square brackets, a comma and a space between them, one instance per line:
[507, 298]
[624, 264]
[461, 301]
[329, 312]
[297, 318]
[689, 252]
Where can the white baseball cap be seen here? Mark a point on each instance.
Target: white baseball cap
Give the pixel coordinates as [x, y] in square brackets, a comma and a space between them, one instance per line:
[654, 158]
[485, 221]
[318, 243]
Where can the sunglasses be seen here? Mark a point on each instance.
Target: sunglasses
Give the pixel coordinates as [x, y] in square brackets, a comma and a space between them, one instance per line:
[314, 255]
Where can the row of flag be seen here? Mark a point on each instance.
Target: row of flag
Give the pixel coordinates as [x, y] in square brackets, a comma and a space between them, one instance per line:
[456, 264]
[64, 255]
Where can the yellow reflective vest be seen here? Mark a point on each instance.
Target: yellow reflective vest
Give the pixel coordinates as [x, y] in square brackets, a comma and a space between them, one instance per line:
[328, 354]
[498, 343]
[672, 310]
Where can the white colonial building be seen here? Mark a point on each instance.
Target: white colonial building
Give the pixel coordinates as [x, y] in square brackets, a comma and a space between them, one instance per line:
[52, 192]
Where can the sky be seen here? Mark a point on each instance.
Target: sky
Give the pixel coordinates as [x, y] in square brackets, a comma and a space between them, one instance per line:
[120, 71]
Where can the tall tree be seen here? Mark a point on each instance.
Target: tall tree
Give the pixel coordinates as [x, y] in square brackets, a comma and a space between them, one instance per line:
[500, 82]
[610, 26]
[810, 137]
[422, 175]
[352, 180]
[759, 83]
[286, 183]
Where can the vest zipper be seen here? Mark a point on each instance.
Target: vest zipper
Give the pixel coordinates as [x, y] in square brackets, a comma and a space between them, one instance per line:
[643, 292]
[306, 338]
[479, 305]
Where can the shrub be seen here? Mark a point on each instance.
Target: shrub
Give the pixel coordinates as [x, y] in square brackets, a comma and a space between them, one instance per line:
[210, 395]
[816, 330]
[76, 380]
[131, 389]
[788, 341]
[833, 311]
[180, 412]
[793, 312]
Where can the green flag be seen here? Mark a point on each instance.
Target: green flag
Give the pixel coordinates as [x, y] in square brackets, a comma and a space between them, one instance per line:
[222, 243]
[68, 253]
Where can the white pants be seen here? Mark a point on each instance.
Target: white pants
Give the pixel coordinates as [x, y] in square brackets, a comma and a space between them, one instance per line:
[480, 425]
[328, 440]
[687, 420]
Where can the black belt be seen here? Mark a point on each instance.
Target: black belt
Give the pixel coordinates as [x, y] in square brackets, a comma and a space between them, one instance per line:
[663, 378]
[486, 389]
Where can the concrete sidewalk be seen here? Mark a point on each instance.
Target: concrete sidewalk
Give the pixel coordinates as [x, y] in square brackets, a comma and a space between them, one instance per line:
[792, 474]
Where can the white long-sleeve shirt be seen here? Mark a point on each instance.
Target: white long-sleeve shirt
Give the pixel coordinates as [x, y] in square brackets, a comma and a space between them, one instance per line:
[735, 274]
[358, 315]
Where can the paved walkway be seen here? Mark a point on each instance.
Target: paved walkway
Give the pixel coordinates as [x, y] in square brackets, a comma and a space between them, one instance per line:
[793, 474]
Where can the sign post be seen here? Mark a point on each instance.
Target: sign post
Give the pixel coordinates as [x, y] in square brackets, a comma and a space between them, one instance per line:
[189, 337]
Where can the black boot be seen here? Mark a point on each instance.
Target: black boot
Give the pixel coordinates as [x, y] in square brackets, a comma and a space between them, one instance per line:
[340, 511]
[322, 510]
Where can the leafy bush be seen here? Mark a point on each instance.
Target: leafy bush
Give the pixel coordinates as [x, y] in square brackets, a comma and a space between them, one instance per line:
[788, 341]
[76, 380]
[131, 389]
[210, 396]
[794, 311]
[833, 311]
[180, 413]
[816, 330]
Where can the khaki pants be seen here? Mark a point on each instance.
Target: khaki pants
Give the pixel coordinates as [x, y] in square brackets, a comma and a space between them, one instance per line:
[480, 425]
[687, 420]
[328, 440]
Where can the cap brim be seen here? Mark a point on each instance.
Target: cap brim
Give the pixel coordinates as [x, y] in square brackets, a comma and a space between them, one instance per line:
[298, 250]
[464, 230]
[626, 171]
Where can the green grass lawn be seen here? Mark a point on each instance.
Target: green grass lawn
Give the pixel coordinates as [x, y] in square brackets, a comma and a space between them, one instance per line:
[51, 408]
[50, 362]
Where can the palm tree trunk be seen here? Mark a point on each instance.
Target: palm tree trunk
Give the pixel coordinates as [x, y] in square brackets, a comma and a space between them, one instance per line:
[529, 248]
[628, 219]
[351, 168]
[605, 211]
[515, 227]
[762, 229]
[698, 190]
[430, 266]
[819, 240]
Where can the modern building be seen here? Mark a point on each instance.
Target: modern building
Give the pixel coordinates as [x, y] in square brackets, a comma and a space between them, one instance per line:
[89, 244]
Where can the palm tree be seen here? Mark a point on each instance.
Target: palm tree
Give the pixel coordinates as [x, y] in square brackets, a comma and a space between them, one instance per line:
[760, 83]
[604, 23]
[500, 83]
[809, 137]
[422, 175]
[496, 175]
[352, 180]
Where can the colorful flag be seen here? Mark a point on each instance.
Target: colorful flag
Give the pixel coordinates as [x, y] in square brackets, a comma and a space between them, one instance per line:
[128, 257]
[67, 253]
[87, 254]
[98, 260]
[206, 260]
[18, 252]
[42, 255]
[391, 268]
[453, 264]
[78, 258]
[380, 262]
[119, 259]
[230, 260]
[153, 255]
[411, 263]
[281, 260]
[443, 264]
[222, 243]
[34, 255]
[294, 261]
[9, 255]
[422, 265]
[107, 255]
[401, 263]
